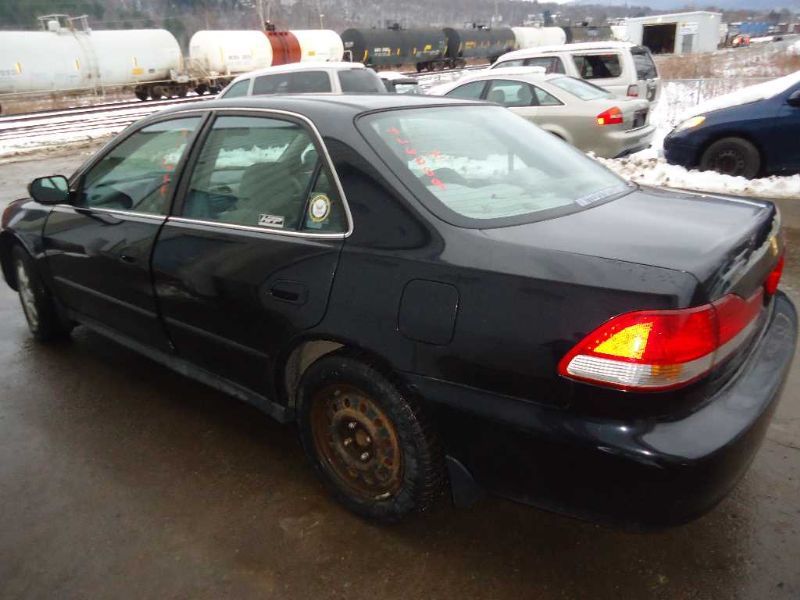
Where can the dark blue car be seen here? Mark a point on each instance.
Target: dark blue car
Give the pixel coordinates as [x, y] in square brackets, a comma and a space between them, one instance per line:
[751, 139]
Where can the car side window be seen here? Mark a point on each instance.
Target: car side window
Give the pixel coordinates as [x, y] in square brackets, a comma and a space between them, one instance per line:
[510, 93]
[263, 172]
[296, 82]
[468, 91]
[598, 66]
[543, 98]
[551, 64]
[137, 175]
[360, 81]
[237, 90]
[510, 63]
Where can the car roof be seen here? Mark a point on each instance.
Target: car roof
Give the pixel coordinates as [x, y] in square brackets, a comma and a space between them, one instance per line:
[581, 46]
[319, 107]
[303, 66]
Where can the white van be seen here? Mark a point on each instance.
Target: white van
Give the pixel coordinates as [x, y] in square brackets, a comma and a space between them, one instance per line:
[620, 67]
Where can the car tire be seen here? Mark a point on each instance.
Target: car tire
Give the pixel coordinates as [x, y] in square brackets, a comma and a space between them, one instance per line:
[732, 156]
[372, 445]
[44, 322]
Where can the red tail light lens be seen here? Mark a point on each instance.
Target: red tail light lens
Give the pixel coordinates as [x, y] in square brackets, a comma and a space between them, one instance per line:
[633, 90]
[612, 116]
[663, 349]
[774, 278]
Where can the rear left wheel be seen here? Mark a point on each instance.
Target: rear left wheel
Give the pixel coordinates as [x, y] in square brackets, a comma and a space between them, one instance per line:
[372, 446]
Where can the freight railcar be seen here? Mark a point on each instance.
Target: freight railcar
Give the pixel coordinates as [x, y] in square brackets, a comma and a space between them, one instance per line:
[477, 42]
[67, 56]
[394, 47]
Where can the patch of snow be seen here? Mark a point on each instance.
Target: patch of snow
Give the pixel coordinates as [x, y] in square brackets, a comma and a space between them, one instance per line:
[753, 93]
[794, 49]
[657, 172]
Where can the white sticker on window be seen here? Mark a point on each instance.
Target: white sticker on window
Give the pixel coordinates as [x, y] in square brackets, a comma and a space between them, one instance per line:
[270, 221]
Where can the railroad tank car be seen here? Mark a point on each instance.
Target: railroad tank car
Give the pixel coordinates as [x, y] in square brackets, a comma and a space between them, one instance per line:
[63, 59]
[319, 45]
[478, 42]
[394, 46]
[229, 52]
[531, 37]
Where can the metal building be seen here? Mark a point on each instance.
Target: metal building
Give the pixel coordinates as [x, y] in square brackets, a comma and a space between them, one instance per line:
[679, 33]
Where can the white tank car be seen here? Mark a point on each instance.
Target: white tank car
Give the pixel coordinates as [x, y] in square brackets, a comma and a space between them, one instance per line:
[531, 37]
[63, 59]
[319, 45]
[229, 52]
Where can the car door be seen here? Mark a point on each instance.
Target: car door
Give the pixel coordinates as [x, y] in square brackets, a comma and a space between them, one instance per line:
[98, 248]
[247, 260]
[516, 95]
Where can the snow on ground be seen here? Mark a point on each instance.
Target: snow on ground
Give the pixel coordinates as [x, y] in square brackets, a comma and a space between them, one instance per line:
[794, 49]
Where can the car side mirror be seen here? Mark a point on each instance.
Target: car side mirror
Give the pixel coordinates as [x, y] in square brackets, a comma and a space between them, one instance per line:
[53, 189]
[794, 98]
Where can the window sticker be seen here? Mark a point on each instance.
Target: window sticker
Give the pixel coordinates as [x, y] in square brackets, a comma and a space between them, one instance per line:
[319, 208]
[270, 221]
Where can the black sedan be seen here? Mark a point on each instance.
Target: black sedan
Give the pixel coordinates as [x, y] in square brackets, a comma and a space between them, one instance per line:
[438, 293]
[754, 131]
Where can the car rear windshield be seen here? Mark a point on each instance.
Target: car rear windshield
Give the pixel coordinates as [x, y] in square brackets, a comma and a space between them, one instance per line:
[483, 166]
[297, 82]
[360, 81]
[645, 67]
[581, 89]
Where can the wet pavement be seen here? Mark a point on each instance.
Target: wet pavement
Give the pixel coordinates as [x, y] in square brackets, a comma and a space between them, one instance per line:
[120, 479]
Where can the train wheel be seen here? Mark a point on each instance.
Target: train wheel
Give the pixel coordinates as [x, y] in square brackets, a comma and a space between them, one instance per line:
[420, 66]
[182, 91]
[201, 89]
[141, 94]
[156, 92]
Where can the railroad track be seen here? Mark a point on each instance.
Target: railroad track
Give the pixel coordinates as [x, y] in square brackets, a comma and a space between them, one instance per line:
[49, 127]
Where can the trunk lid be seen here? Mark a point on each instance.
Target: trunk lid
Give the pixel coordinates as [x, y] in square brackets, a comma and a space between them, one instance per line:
[728, 244]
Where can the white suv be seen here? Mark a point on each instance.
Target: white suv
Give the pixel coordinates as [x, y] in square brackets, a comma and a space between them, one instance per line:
[620, 67]
[306, 78]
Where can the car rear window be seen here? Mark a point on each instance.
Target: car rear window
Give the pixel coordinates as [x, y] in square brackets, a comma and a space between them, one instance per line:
[581, 89]
[598, 66]
[360, 81]
[483, 166]
[238, 89]
[297, 82]
[645, 67]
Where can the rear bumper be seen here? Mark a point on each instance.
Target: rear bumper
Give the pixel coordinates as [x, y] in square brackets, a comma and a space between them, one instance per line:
[621, 143]
[645, 474]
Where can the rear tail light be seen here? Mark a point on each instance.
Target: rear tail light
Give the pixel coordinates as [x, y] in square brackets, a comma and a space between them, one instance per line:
[633, 90]
[612, 116]
[662, 349]
[774, 278]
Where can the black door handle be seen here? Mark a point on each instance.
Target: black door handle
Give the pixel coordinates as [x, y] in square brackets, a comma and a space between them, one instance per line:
[289, 291]
[126, 258]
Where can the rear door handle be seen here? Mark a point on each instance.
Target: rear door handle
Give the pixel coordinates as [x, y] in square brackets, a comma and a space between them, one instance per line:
[289, 291]
[126, 258]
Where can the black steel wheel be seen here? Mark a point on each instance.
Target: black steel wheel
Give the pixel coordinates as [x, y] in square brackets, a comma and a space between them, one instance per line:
[372, 446]
[732, 156]
[44, 322]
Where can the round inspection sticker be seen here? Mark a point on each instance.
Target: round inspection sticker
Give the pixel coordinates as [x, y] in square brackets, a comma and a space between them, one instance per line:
[319, 208]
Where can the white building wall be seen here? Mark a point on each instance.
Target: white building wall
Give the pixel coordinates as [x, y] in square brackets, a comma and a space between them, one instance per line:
[703, 26]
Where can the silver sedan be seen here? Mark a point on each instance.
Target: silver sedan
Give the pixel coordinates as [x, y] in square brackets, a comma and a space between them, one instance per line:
[586, 116]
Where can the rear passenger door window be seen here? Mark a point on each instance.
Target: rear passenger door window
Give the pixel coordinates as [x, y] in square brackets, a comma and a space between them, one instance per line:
[598, 66]
[511, 93]
[263, 173]
[543, 98]
[468, 91]
[297, 82]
